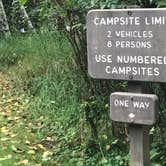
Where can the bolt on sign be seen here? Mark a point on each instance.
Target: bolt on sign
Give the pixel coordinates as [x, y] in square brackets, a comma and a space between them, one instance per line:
[133, 108]
[127, 44]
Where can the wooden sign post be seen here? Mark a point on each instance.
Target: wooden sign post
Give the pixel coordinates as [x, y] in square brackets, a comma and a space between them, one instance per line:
[129, 44]
[139, 111]
[139, 145]
[139, 134]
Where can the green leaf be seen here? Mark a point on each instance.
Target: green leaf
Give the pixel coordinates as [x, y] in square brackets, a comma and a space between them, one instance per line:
[153, 154]
[22, 2]
[162, 4]
[115, 142]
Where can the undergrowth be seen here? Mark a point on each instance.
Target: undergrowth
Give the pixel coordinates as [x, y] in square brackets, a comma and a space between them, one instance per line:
[42, 65]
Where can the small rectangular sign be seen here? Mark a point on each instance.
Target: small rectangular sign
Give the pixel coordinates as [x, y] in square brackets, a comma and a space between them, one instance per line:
[127, 44]
[133, 108]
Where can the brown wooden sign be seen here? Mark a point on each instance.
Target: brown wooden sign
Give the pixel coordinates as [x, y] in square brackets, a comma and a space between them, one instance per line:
[133, 108]
[127, 44]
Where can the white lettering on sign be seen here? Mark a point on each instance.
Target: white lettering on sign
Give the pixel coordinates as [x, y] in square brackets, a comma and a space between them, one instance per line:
[121, 103]
[134, 34]
[117, 21]
[103, 58]
[142, 59]
[117, 70]
[133, 44]
[108, 69]
[143, 105]
[160, 20]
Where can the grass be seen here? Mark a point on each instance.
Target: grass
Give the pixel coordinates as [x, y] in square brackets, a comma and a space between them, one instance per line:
[18, 142]
[41, 67]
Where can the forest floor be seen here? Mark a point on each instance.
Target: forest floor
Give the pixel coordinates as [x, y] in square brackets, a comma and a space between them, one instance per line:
[19, 143]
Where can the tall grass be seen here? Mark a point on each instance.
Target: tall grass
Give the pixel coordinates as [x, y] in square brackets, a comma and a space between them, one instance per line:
[42, 66]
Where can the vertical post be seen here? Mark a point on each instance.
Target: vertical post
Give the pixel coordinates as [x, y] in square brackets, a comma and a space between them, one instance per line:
[139, 136]
[139, 145]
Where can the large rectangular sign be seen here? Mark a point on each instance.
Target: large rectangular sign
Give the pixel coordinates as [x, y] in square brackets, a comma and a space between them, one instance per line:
[127, 44]
[133, 108]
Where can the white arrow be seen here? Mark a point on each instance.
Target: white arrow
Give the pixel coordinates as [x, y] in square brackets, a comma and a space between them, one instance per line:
[131, 115]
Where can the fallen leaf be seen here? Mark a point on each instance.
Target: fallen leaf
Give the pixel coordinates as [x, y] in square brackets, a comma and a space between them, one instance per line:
[13, 135]
[46, 154]
[32, 147]
[107, 147]
[41, 146]
[16, 150]
[16, 118]
[49, 139]
[31, 152]
[27, 142]
[6, 157]
[25, 162]
[5, 139]
[4, 130]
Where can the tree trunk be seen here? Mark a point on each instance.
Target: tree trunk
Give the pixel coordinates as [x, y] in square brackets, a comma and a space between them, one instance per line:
[4, 26]
[26, 17]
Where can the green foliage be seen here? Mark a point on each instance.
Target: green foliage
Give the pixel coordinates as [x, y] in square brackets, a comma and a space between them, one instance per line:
[15, 17]
[46, 71]
[22, 2]
[161, 3]
[8, 54]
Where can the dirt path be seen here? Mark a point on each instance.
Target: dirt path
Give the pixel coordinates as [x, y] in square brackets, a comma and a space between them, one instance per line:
[19, 144]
